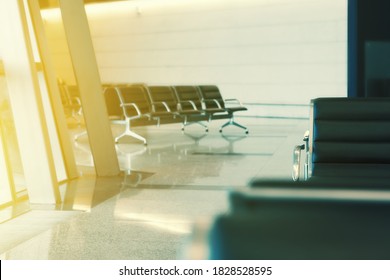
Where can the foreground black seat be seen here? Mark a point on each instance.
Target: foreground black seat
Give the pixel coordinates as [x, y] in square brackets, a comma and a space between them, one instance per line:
[348, 137]
[213, 100]
[269, 227]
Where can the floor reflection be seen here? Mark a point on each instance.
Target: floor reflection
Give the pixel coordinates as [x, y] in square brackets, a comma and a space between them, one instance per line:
[87, 192]
[148, 211]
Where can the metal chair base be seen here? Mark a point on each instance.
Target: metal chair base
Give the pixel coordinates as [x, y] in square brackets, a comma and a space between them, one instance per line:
[232, 122]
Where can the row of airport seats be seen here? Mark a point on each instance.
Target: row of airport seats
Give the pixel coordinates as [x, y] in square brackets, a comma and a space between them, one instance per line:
[340, 212]
[140, 105]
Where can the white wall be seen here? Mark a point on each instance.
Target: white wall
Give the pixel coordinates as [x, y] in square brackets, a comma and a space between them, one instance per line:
[261, 51]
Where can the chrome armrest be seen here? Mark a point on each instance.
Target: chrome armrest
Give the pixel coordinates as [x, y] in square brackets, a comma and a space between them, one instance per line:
[180, 107]
[124, 105]
[234, 100]
[306, 140]
[165, 105]
[75, 101]
[307, 155]
[297, 159]
[204, 101]
[76, 105]
[297, 162]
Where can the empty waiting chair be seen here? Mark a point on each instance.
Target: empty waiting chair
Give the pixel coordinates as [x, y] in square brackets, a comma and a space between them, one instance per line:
[113, 106]
[71, 101]
[190, 105]
[135, 105]
[113, 103]
[212, 99]
[348, 137]
[163, 102]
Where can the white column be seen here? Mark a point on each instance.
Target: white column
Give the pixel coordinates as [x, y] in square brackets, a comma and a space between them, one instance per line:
[52, 88]
[6, 182]
[88, 79]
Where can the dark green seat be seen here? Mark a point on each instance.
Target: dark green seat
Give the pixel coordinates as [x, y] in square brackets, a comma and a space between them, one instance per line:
[134, 103]
[113, 103]
[223, 108]
[349, 137]
[190, 106]
[162, 99]
[301, 228]
[70, 98]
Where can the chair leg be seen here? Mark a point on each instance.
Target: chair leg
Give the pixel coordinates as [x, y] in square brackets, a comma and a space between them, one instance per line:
[232, 122]
[130, 133]
[185, 123]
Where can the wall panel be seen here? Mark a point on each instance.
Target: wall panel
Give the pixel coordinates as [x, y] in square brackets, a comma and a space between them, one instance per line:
[284, 51]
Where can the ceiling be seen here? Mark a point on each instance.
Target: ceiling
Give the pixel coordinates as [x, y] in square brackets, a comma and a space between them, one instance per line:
[45, 4]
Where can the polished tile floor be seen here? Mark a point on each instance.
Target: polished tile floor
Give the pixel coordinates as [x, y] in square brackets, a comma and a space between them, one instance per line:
[177, 181]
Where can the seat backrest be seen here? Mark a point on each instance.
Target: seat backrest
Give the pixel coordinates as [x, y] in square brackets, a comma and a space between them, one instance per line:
[113, 103]
[209, 93]
[134, 94]
[64, 95]
[164, 94]
[300, 228]
[350, 137]
[188, 93]
[73, 91]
